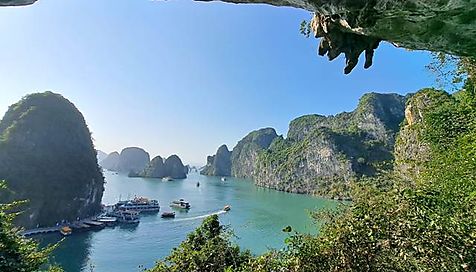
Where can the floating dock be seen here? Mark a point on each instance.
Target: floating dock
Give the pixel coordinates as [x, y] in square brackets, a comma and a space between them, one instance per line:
[39, 231]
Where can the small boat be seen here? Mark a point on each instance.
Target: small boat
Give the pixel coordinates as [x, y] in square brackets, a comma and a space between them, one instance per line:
[227, 208]
[66, 231]
[107, 220]
[168, 215]
[180, 204]
[223, 179]
[167, 179]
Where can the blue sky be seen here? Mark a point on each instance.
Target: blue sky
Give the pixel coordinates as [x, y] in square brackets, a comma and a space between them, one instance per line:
[184, 77]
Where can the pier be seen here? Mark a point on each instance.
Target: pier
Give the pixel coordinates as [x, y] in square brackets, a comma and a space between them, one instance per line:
[40, 231]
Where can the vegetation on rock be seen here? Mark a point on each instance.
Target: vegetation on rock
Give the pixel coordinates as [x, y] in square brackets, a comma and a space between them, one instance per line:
[47, 157]
[207, 249]
[427, 224]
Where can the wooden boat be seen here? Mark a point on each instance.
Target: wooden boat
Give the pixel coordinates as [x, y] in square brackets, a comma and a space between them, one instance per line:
[66, 231]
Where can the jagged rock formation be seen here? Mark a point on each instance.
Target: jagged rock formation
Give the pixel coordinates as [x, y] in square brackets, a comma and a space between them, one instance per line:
[133, 159]
[47, 157]
[244, 157]
[352, 27]
[218, 164]
[411, 150]
[110, 162]
[172, 167]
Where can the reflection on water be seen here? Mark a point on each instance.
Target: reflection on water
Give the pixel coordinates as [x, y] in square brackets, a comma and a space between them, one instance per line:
[76, 249]
[257, 217]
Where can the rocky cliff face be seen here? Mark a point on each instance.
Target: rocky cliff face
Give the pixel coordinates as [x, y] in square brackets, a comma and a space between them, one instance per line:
[218, 164]
[175, 168]
[411, 150]
[155, 169]
[133, 159]
[172, 167]
[354, 27]
[321, 155]
[47, 157]
[245, 154]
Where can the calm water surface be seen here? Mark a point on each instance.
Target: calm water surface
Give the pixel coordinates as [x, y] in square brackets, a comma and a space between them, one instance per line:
[257, 217]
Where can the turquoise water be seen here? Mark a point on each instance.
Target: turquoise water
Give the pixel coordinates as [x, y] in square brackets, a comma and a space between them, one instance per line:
[257, 217]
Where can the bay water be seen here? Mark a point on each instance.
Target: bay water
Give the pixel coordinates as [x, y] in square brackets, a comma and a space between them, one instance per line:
[257, 218]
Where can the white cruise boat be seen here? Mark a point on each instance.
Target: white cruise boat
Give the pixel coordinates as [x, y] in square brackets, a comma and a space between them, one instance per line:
[139, 204]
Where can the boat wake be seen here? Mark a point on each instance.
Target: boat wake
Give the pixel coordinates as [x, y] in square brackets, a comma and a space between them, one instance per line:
[200, 216]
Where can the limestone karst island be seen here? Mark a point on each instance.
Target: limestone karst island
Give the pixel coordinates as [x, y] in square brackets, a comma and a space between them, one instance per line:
[237, 136]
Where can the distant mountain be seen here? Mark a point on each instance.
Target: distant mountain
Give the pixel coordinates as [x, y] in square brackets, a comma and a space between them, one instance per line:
[321, 154]
[133, 159]
[47, 157]
[110, 162]
[218, 164]
[101, 155]
[171, 167]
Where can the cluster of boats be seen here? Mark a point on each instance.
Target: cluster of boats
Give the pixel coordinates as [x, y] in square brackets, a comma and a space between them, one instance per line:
[126, 212]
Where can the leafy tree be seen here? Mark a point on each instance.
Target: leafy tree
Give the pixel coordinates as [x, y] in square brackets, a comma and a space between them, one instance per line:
[18, 254]
[207, 249]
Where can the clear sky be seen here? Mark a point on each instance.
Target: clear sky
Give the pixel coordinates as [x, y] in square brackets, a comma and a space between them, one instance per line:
[184, 77]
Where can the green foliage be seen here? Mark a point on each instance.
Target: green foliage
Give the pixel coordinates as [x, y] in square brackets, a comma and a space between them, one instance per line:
[393, 225]
[19, 254]
[206, 249]
[48, 157]
[428, 226]
[305, 28]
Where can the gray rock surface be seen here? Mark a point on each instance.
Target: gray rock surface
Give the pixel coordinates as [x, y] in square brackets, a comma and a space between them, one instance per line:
[218, 164]
[133, 159]
[171, 167]
[244, 156]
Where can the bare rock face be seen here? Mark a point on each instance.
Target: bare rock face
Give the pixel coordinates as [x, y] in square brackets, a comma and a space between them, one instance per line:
[411, 150]
[218, 164]
[155, 169]
[16, 2]
[133, 159]
[174, 167]
[353, 27]
[245, 154]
